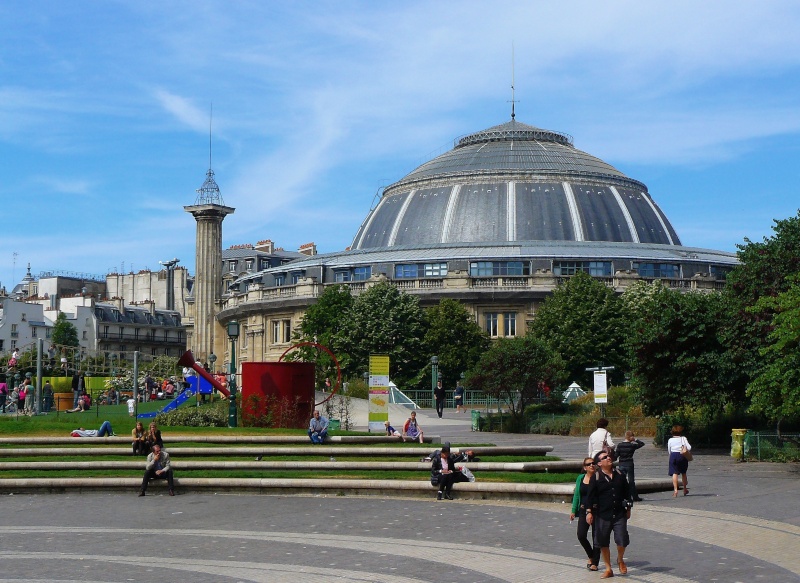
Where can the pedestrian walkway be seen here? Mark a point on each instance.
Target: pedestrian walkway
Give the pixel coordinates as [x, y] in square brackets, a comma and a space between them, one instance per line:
[740, 523]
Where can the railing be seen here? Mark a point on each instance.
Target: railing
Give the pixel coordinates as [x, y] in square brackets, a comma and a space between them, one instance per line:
[764, 446]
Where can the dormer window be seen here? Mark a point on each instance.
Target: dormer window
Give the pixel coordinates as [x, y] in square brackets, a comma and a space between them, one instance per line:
[232, 265]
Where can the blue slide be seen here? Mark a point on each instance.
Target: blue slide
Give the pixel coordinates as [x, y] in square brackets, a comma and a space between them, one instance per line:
[188, 393]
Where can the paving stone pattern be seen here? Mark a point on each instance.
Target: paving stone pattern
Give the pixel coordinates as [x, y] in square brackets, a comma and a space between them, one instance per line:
[741, 522]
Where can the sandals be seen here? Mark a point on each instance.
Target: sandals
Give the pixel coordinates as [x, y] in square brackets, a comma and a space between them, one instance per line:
[607, 574]
[686, 491]
[675, 494]
[623, 568]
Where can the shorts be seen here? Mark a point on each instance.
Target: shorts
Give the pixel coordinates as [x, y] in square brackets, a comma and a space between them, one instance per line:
[603, 529]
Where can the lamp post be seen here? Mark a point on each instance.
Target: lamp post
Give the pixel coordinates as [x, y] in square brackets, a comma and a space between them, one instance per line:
[233, 334]
[212, 358]
[434, 375]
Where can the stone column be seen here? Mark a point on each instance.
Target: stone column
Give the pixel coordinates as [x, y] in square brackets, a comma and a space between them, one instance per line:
[208, 274]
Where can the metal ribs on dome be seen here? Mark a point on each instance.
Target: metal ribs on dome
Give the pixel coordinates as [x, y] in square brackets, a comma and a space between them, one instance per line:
[510, 131]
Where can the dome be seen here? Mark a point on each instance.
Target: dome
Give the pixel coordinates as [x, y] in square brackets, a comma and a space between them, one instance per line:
[514, 182]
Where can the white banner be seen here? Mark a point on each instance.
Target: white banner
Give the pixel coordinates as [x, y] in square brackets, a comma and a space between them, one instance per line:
[600, 387]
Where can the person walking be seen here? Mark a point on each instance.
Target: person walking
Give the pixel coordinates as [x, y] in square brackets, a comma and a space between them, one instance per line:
[600, 438]
[579, 505]
[458, 398]
[678, 464]
[439, 395]
[625, 451]
[3, 395]
[609, 508]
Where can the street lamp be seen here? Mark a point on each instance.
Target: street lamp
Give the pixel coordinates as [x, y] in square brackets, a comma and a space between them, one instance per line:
[233, 334]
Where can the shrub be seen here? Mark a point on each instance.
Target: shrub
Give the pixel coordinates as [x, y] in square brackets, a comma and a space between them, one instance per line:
[215, 415]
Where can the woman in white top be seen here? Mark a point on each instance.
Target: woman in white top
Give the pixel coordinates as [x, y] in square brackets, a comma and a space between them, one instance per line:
[597, 438]
[677, 463]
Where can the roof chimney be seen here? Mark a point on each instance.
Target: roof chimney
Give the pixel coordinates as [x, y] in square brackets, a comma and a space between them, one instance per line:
[308, 249]
[267, 246]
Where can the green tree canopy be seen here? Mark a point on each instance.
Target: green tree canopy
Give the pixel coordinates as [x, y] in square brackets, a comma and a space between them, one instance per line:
[513, 368]
[453, 335]
[583, 320]
[320, 324]
[679, 357]
[64, 333]
[775, 392]
[384, 320]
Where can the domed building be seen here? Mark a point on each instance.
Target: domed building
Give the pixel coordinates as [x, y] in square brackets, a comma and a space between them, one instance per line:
[496, 223]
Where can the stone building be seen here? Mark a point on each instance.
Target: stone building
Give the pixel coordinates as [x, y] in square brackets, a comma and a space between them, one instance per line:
[496, 223]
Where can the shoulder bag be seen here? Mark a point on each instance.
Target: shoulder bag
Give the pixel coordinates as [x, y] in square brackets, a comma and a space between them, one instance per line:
[685, 452]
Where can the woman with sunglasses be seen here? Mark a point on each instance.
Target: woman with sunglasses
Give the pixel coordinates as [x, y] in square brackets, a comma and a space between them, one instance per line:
[579, 499]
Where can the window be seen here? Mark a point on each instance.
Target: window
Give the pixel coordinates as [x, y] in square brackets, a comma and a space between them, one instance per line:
[498, 268]
[264, 263]
[2, 342]
[117, 316]
[85, 335]
[136, 334]
[280, 280]
[24, 318]
[166, 335]
[656, 269]
[510, 324]
[105, 331]
[13, 328]
[341, 276]
[296, 277]
[405, 270]
[435, 269]
[33, 331]
[276, 331]
[491, 323]
[121, 329]
[232, 265]
[13, 344]
[720, 272]
[594, 268]
[47, 332]
[362, 273]
[286, 325]
[249, 264]
[153, 351]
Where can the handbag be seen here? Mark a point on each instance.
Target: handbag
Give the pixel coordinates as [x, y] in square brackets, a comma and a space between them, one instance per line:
[685, 452]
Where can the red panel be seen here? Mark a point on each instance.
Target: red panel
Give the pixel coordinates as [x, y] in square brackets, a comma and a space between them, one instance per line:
[281, 392]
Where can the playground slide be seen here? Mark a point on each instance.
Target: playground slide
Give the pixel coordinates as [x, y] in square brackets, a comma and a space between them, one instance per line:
[173, 404]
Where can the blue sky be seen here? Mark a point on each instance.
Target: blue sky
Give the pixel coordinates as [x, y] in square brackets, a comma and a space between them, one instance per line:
[104, 111]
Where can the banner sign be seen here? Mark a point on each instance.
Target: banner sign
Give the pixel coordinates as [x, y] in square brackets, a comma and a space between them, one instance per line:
[600, 387]
[378, 391]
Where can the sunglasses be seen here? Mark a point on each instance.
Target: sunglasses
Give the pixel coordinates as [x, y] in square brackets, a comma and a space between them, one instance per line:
[602, 458]
[588, 465]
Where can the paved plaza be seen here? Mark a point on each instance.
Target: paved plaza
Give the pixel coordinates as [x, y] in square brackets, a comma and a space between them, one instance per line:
[741, 522]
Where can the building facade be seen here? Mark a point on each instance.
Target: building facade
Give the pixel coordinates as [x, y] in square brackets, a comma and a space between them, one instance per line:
[496, 223]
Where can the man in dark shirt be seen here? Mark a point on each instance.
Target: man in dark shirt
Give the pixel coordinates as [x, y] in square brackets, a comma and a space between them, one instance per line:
[625, 451]
[438, 393]
[609, 508]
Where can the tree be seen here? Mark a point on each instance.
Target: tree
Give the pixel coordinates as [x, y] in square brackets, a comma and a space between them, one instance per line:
[320, 324]
[679, 357]
[453, 335]
[513, 369]
[763, 271]
[775, 392]
[583, 320]
[64, 333]
[384, 320]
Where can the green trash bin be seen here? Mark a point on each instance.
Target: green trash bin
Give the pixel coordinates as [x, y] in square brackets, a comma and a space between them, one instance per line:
[476, 420]
[334, 425]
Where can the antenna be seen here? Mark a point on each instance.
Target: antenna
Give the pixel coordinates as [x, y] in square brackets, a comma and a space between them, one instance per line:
[210, 120]
[513, 101]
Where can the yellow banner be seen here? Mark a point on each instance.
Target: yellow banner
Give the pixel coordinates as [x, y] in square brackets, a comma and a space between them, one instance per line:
[378, 391]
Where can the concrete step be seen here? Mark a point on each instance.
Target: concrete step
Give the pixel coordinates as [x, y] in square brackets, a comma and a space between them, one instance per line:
[313, 450]
[321, 487]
